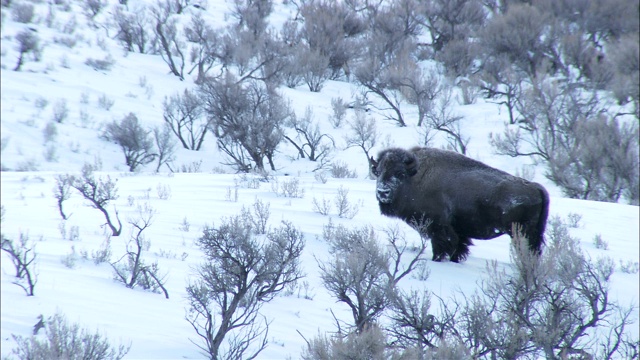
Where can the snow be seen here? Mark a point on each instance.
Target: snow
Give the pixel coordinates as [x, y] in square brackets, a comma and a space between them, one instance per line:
[153, 325]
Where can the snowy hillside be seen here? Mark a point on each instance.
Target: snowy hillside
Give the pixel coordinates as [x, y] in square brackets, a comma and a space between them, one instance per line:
[36, 148]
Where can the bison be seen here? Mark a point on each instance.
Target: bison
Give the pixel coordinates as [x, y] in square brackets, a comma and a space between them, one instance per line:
[451, 198]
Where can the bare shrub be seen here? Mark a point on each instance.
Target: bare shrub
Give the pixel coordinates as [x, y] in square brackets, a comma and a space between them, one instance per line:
[185, 225]
[99, 193]
[321, 176]
[362, 274]
[133, 31]
[440, 117]
[40, 103]
[135, 272]
[50, 153]
[248, 181]
[257, 216]
[447, 21]
[247, 119]
[101, 64]
[291, 75]
[184, 115]
[358, 279]
[62, 192]
[546, 306]
[367, 344]
[580, 53]
[23, 256]
[192, 167]
[587, 152]
[239, 275]
[313, 144]
[205, 44]
[28, 43]
[314, 68]
[70, 260]
[500, 80]
[362, 134]
[629, 267]
[344, 207]
[340, 170]
[339, 108]
[86, 120]
[231, 194]
[93, 7]
[171, 45]
[133, 139]
[50, 132]
[65, 40]
[599, 243]
[166, 146]
[72, 235]
[71, 25]
[27, 165]
[573, 220]
[412, 321]
[330, 29]
[60, 111]
[163, 191]
[516, 34]
[105, 102]
[66, 341]
[288, 188]
[254, 52]
[625, 58]
[4, 142]
[322, 207]
[469, 91]
[379, 79]
[420, 89]
[22, 12]
[458, 57]
[103, 254]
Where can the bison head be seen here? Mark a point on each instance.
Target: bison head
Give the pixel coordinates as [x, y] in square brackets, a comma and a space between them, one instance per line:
[393, 167]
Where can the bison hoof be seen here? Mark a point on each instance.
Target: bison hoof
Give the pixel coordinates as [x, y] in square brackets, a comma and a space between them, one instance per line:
[438, 258]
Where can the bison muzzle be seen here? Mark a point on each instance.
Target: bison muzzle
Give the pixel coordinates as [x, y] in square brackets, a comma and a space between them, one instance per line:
[451, 198]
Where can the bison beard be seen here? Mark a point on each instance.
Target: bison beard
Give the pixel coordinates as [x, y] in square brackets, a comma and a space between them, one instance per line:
[451, 198]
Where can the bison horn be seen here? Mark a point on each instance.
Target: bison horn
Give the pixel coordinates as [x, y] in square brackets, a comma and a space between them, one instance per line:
[373, 165]
[410, 164]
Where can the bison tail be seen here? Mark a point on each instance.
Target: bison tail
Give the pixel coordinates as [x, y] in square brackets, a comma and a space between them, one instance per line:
[536, 241]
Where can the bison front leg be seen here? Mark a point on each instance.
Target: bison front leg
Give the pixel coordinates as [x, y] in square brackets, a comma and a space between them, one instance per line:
[446, 243]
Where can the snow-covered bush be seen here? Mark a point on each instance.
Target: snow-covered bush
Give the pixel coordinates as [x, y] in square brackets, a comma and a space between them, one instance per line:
[22, 12]
[23, 256]
[28, 43]
[135, 141]
[65, 341]
[241, 272]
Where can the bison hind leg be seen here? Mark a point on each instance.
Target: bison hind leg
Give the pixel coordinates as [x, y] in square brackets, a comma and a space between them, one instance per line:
[535, 241]
[531, 234]
[461, 252]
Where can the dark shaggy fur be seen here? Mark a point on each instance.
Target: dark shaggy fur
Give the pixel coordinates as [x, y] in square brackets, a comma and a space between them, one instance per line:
[451, 198]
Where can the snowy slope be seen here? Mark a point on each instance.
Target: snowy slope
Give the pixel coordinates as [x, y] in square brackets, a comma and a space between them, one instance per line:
[155, 326]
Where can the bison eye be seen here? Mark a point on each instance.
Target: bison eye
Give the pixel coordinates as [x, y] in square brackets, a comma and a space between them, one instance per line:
[374, 171]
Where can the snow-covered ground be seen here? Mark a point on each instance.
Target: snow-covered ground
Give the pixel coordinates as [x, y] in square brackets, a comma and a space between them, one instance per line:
[155, 326]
